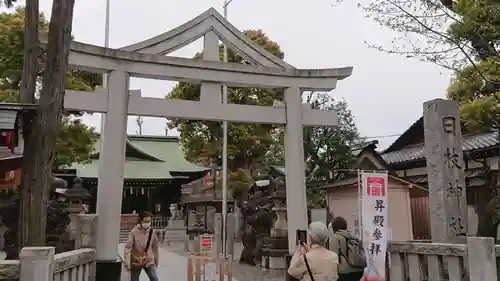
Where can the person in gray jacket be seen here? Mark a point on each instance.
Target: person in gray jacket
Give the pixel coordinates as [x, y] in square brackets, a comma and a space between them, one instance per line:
[338, 244]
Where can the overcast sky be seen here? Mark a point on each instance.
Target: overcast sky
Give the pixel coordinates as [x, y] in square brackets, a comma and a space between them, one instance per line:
[385, 92]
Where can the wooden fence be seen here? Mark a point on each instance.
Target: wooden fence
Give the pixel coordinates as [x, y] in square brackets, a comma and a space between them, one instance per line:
[128, 221]
[198, 268]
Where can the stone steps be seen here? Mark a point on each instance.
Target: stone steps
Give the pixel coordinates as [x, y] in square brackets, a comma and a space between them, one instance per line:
[124, 235]
[176, 235]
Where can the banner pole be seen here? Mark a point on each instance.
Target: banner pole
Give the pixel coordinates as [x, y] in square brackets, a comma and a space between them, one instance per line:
[360, 222]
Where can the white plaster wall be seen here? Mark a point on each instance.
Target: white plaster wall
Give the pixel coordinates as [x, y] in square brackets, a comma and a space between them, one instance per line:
[344, 202]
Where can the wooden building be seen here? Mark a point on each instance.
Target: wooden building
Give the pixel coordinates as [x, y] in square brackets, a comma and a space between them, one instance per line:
[11, 150]
[405, 158]
[155, 170]
[201, 200]
[343, 196]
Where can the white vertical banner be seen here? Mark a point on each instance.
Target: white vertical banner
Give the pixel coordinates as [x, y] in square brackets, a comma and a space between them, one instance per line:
[374, 221]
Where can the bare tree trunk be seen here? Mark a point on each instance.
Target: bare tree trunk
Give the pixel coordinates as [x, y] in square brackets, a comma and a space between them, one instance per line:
[29, 220]
[49, 115]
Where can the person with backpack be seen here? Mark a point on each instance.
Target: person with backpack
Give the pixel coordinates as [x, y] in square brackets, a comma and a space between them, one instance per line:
[312, 261]
[141, 249]
[350, 250]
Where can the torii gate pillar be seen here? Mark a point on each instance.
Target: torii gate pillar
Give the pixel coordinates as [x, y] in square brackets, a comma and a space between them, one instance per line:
[296, 200]
[111, 163]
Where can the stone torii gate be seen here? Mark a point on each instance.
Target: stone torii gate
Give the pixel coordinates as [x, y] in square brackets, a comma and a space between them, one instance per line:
[147, 59]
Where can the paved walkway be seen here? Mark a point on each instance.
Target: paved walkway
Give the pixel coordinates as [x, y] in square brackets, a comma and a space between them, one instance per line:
[172, 267]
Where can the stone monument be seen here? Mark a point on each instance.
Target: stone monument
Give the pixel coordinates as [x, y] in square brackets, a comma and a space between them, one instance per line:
[445, 169]
[176, 229]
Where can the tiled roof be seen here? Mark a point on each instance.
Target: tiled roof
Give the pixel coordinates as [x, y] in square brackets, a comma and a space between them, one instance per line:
[416, 152]
[164, 156]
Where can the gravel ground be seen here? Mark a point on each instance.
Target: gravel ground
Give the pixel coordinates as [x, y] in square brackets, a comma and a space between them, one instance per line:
[241, 272]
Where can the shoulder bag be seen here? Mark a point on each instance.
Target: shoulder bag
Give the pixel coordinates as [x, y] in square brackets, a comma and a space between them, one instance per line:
[308, 268]
[139, 259]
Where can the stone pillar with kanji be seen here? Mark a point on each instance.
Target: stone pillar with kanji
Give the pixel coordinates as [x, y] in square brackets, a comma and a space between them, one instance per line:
[445, 169]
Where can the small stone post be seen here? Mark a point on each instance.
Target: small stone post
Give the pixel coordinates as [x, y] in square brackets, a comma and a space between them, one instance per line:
[230, 234]
[237, 223]
[86, 236]
[86, 231]
[445, 169]
[217, 235]
[37, 263]
[481, 258]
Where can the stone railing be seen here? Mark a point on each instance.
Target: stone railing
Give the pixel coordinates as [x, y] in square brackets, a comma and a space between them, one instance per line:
[419, 261]
[42, 264]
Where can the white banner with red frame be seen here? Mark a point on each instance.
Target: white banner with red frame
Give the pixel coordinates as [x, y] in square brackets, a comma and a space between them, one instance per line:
[374, 197]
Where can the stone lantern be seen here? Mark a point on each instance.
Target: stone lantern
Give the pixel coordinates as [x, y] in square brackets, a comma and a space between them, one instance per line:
[75, 195]
[276, 245]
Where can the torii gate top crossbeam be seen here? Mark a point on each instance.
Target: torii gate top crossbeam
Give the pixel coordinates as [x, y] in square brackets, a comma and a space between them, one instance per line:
[188, 32]
[100, 59]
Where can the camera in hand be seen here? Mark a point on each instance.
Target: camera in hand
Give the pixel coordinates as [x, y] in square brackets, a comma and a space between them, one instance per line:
[301, 236]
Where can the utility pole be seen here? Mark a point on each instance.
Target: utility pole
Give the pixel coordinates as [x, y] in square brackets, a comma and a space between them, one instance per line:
[224, 154]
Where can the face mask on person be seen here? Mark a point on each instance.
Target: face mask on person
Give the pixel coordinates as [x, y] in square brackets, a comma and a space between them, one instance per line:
[146, 225]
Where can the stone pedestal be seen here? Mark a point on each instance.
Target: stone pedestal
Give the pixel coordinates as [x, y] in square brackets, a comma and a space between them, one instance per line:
[108, 270]
[276, 246]
[176, 231]
[86, 229]
[74, 210]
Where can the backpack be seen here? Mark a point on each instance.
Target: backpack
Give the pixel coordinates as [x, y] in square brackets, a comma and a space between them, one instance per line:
[355, 255]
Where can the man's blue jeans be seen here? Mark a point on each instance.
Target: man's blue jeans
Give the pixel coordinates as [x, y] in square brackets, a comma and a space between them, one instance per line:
[150, 272]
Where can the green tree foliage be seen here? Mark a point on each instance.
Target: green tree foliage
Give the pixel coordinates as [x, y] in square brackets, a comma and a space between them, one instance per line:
[328, 151]
[478, 97]
[450, 33]
[253, 146]
[461, 35]
[247, 143]
[76, 140]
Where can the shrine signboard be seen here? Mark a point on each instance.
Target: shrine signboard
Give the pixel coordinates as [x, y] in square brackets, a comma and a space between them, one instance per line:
[206, 243]
[445, 169]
